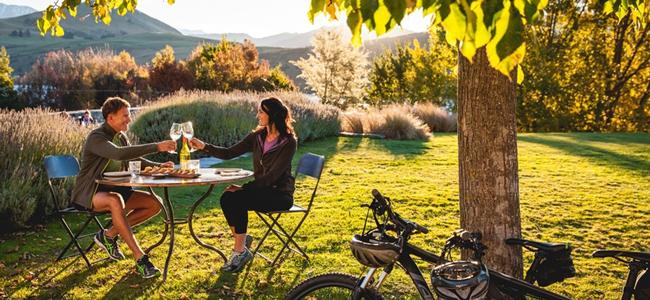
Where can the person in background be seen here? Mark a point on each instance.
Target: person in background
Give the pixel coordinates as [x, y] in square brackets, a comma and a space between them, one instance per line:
[273, 144]
[107, 148]
[86, 119]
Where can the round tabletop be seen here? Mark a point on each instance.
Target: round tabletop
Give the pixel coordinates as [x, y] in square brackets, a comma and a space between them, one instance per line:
[209, 176]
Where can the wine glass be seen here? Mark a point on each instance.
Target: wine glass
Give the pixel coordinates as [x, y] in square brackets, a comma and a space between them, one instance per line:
[175, 133]
[188, 133]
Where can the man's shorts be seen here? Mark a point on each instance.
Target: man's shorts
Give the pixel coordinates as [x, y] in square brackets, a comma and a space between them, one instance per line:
[125, 191]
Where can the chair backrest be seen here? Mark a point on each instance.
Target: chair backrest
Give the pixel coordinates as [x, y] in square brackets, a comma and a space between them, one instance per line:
[311, 165]
[61, 166]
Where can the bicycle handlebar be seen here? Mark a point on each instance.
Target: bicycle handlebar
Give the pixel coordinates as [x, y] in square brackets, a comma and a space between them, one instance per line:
[401, 222]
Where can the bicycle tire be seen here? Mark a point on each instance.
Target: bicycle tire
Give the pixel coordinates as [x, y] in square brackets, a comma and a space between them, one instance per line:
[330, 280]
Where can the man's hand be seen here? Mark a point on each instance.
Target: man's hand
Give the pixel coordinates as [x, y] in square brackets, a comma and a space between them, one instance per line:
[233, 188]
[197, 144]
[167, 164]
[168, 145]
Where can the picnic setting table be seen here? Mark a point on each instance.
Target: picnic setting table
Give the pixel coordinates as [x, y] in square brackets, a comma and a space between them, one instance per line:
[208, 177]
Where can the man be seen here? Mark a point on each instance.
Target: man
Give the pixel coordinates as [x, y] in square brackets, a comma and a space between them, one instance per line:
[107, 148]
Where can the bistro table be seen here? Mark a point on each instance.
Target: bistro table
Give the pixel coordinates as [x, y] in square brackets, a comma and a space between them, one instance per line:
[209, 176]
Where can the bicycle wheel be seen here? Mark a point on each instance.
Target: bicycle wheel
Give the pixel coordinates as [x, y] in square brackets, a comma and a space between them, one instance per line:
[331, 286]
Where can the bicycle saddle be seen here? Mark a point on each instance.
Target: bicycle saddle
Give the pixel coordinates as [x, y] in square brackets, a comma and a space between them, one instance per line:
[643, 256]
[548, 247]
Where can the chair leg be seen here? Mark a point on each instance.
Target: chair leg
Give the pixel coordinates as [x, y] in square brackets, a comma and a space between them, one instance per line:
[74, 240]
[291, 240]
[266, 234]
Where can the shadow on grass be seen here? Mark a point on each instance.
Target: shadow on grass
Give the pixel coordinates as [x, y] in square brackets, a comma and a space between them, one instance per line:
[614, 138]
[406, 149]
[591, 152]
[44, 291]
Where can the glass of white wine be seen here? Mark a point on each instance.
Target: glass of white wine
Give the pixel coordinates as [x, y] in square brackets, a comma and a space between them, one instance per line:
[188, 133]
[175, 133]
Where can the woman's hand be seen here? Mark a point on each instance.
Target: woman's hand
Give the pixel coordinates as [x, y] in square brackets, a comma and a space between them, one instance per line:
[197, 144]
[233, 188]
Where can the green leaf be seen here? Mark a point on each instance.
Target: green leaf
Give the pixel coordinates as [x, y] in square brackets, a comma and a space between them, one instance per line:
[397, 9]
[368, 9]
[482, 34]
[454, 24]
[42, 25]
[354, 23]
[316, 7]
[382, 20]
[507, 48]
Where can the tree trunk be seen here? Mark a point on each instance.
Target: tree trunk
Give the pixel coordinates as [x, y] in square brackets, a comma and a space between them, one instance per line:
[487, 155]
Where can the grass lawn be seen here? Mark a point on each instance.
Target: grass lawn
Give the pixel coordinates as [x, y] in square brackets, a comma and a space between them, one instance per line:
[592, 190]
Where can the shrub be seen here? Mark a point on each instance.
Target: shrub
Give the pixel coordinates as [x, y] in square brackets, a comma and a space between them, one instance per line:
[401, 125]
[224, 119]
[438, 119]
[352, 121]
[28, 136]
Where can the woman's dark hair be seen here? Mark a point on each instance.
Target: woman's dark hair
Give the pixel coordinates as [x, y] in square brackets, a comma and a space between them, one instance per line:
[279, 115]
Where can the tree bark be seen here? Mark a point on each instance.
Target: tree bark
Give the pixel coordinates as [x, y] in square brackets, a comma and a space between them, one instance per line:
[487, 155]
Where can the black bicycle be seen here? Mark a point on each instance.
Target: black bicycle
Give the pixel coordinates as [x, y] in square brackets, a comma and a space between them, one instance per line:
[386, 245]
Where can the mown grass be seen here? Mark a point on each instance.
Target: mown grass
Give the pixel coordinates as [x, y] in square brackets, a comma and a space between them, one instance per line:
[592, 190]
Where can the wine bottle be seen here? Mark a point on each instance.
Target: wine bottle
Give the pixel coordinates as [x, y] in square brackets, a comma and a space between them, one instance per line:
[184, 155]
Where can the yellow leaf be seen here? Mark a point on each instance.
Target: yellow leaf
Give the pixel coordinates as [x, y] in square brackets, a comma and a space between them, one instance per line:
[170, 2]
[455, 23]
[58, 30]
[106, 19]
[520, 74]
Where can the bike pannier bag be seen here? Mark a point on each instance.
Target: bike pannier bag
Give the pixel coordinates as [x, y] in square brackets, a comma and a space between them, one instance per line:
[554, 267]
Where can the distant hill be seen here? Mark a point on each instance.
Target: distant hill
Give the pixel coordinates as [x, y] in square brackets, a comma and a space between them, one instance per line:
[283, 40]
[143, 36]
[10, 11]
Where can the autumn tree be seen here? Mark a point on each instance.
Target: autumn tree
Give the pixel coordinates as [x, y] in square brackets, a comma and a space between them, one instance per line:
[413, 74]
[7, 93]
[335, 71]
[229, 66]
[167, 75]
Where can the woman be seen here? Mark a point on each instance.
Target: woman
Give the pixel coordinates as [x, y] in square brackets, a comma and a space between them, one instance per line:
[273, 144]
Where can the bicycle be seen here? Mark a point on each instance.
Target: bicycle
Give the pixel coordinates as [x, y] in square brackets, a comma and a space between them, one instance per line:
[379, 249]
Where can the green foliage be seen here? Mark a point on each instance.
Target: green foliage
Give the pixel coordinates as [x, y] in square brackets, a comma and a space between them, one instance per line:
[586, 72]
[496, 25]
[224, 119]
[336, 72]
[413, 74]
[28, 136]
[7, 93]
[591, 188]
[228, 66]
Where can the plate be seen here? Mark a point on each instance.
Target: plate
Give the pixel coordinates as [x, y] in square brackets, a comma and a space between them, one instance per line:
[155, 175]
[227, 170]
[117, 174]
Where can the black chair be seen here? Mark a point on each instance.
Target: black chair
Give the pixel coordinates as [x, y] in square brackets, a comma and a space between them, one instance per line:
[309, 165]
[60, 167]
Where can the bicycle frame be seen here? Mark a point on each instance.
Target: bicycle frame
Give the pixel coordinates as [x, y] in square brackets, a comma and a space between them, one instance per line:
[504, 283]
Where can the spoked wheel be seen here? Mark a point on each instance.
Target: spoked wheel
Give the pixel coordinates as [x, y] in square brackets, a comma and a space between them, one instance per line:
[331, 286]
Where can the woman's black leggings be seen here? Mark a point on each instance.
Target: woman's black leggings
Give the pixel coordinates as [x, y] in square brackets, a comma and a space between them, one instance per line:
[235, 205]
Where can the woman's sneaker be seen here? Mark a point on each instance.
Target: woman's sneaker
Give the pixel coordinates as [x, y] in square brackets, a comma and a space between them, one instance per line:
[145, 268]
[237, 261]
[109, 245]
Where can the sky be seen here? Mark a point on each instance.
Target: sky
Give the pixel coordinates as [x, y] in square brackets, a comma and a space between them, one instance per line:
[258, 18]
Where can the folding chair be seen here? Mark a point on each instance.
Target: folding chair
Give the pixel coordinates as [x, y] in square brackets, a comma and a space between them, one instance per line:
[309, 165]
[61, 167]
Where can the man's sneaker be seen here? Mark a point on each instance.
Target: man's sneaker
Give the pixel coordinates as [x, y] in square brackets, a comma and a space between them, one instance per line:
[109, 245]
[237, 261]
[249, 241]
[145, 268]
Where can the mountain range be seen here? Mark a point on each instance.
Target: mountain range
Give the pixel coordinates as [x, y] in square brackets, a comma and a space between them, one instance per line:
[10, 11]
[142, 36]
